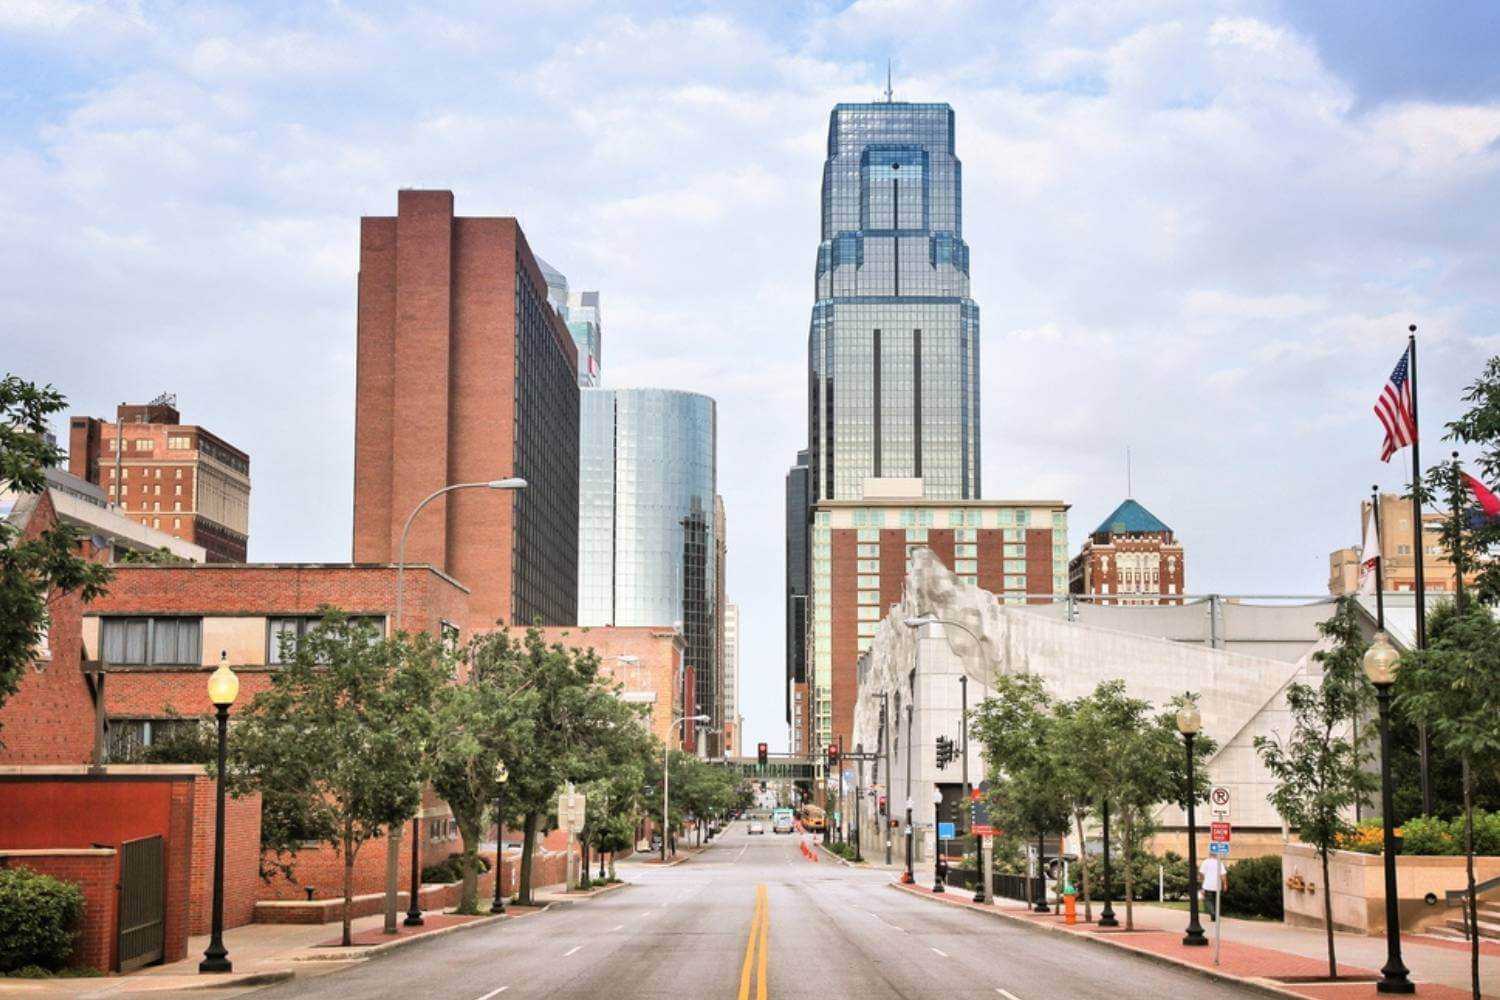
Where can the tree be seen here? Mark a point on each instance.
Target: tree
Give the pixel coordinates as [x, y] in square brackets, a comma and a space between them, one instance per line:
[1017, 730]
[336, 738]
[1454, 686]
[1320, 767]
[1077, 784]
[34, 571]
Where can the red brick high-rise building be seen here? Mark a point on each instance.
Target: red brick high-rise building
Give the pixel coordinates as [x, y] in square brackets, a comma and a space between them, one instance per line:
[174, 477]
[465, 373]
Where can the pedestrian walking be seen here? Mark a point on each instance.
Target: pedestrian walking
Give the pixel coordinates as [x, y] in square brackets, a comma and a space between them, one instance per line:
[1213, 878]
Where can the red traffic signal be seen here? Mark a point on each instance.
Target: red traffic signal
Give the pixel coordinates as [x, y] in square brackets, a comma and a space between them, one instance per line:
[833, 755]
[760, 753]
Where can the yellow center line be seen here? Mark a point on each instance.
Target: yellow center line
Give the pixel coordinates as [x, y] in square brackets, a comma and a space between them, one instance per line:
[755, 948]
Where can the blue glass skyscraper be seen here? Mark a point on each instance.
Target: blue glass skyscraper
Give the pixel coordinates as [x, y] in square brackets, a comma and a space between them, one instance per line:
[893, 349]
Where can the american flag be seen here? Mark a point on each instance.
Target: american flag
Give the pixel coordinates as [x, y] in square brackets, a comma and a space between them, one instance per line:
[1394, 410]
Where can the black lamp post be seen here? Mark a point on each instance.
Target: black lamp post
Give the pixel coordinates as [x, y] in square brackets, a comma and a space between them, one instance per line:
[1041, 875]
[414, 897]
[910, 877]
[939, 863]
[223, 688]
[1106, 915]
[1380, 663]
[501, 774]
[1189, 722]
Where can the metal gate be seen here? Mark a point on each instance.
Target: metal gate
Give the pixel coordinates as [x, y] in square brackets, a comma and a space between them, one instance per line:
[143, 884]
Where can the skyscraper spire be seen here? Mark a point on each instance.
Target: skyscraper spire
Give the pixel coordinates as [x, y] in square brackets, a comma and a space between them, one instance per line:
[889, 97]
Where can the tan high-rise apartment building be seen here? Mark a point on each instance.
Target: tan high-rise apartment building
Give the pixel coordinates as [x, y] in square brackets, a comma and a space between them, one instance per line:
[465, 373]
[1398, 561]
[1016, 549]
[174, 477]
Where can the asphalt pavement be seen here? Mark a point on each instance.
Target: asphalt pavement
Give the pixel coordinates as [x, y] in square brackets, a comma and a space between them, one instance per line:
[752, 919]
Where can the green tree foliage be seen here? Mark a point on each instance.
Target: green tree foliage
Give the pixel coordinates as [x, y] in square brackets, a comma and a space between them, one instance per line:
[335, 744]
[1320, 768]
[34, 571]
[1454, 686]
[39, 916]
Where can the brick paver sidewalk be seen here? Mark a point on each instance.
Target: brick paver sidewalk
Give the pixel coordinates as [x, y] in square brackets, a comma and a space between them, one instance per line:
[1265, 967]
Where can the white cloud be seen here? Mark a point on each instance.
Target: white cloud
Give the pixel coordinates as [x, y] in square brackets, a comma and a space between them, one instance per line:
[1186, 238]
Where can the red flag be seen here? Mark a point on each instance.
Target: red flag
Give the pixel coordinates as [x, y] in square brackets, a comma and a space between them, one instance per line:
[1488, 502]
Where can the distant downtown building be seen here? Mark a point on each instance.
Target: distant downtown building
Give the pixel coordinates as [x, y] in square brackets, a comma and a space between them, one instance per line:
[734, 722]
[174, 477]
[580, 311]
[893, 349]
[465, 373]
[647, 533]
[1015, 549]
[1132, 553]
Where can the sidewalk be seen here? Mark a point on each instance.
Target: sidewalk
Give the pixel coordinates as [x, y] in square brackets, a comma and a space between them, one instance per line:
[1270, 956]
[269, 953]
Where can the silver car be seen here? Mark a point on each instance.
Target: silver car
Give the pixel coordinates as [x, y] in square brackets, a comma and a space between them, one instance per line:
[756, 826]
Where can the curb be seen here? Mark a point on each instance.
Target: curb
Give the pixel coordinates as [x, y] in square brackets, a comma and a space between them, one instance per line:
[843, 861]
[363, 953]
[583, 897]
[1259, 985]
[38, 988]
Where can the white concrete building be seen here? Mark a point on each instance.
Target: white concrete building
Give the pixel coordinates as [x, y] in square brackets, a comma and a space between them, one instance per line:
[1241, 695]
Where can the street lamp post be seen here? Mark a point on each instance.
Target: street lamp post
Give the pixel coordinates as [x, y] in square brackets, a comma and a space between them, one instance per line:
[1380, 663]
[939, 864]
[1188, 724]
[910, 876]
[1107, 915]
[502, 775]
[666, 780]
[223, 688]
[918, 621]
[514, 483]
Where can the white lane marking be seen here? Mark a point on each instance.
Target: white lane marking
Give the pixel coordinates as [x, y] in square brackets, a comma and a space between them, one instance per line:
[572, 950]
[494, 993]
[617, 927]
[935, 951]
[1007, 994]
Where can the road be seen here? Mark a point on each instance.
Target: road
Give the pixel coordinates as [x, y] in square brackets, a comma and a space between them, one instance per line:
[752, 919]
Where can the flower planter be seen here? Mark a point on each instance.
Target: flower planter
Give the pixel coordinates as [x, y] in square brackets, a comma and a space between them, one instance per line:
[1358, 886]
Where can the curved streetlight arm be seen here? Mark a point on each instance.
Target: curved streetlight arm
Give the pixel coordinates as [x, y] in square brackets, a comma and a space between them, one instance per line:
[494, 484]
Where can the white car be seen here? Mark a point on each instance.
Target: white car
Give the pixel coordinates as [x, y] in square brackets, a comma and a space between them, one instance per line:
[756, 826]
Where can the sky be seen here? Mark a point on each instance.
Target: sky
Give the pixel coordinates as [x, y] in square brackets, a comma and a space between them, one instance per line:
[1198, 229]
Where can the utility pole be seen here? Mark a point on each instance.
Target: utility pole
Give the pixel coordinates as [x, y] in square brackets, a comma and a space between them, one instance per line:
[885, 738]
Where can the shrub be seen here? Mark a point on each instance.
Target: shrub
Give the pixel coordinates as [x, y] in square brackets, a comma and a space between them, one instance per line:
[38, 918]
[451, 869]
[1254, 888]
[1430, 836]
[1366, 838]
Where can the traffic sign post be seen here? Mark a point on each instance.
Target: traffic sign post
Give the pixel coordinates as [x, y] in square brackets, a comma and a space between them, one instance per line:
[1219, 832]
[1218, 804]
[1219, 849]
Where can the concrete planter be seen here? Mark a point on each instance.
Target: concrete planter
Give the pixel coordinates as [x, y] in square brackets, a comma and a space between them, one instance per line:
[1358, 886]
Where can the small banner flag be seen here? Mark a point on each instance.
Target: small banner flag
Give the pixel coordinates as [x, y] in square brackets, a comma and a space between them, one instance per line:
[1484, 496]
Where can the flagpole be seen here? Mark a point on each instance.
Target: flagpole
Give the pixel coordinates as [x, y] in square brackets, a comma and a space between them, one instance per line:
[1416, 528]
[1458, 547]
[1379, 558]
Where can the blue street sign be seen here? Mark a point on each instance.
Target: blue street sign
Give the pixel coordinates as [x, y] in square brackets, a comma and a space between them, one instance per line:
[1219, 848]
[945, 831]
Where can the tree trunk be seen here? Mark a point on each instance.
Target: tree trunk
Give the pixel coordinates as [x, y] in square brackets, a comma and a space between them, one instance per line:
[392, 874]
[1083, 869]
[1333, 965]
[612, 856]
[584, 882]
[348, 938]
[1472, 903]
[528, 827]
[1128, 821]
[468, 900]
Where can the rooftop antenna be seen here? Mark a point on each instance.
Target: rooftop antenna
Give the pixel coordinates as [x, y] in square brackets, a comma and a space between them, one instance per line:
[889, 97]
[1129, 480]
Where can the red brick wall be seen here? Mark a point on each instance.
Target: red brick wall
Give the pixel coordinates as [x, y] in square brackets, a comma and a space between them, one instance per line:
[892, 567]
[78, 811]
[1038, 563]
[322, 867]
[241, 857]
[991, 542]
[844, 623]
[96, 873]
[374, 390]
[940, 541]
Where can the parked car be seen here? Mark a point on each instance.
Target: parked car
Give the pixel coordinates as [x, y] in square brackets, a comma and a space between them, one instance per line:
[756, 826]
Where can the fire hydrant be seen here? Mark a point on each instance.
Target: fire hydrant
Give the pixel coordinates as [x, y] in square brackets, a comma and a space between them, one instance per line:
[1070, 905]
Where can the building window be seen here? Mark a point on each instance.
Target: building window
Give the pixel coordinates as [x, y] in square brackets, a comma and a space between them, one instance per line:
[965, 551]
[965, 566]
[162, 641]
[156, 521]
[179, 442]
[869, 566]
[127, 738]
[868, 535]
[1015, 583]
[145, 444]
[1015, 565]
[869, 583]
[1015, 551]
[868, 614]
[1023, 518]
[283, 633]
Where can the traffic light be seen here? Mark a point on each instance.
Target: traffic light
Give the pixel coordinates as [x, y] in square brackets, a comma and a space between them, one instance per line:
[760, 753]
[833, 756]
[946, 752]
